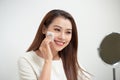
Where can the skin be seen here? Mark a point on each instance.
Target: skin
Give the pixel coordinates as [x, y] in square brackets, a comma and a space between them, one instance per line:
[62, 29]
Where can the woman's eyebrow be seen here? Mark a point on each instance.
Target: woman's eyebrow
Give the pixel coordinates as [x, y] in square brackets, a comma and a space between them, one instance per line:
[61, 27]
[57, 26]
[69, 29]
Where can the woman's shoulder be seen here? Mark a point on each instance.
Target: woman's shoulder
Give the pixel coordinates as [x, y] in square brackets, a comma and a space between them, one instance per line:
[27, 56]
[30, 57]
[29, 65]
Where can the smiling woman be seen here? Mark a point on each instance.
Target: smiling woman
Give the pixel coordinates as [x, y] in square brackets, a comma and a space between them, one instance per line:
[55, 59]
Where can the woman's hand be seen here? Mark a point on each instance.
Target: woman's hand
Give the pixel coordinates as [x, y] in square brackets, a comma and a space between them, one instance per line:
[45, 48]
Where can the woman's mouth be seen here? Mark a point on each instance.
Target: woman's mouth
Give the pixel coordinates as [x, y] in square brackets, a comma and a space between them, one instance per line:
[59, 43]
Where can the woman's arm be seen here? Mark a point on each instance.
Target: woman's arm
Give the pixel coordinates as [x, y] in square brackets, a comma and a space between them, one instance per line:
[46, 71]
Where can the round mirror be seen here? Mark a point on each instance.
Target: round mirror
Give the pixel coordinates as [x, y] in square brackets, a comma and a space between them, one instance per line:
[109, 50]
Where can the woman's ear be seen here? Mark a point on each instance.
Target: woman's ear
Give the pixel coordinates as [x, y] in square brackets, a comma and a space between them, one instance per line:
[44, 29]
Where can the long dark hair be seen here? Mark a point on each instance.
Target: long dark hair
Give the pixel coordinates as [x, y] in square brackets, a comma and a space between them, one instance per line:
[69, 53]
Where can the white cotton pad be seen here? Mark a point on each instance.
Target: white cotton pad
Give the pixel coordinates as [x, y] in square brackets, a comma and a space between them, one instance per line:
[50, 34]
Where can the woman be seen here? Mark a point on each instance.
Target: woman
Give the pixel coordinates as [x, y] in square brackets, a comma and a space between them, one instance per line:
[53, 59]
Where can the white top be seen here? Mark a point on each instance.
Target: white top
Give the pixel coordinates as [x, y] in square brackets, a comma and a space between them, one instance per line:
[30, 67]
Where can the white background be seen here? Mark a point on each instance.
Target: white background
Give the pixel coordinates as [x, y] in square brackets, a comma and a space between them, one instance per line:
[19, 21]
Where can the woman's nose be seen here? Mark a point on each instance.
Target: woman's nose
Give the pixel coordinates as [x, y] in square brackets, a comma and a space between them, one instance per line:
[62, 36]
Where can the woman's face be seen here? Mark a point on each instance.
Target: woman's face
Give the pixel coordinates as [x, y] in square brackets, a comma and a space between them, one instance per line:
[62, 29]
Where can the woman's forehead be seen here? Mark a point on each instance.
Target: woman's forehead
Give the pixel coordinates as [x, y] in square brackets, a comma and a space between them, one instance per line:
[61, 22]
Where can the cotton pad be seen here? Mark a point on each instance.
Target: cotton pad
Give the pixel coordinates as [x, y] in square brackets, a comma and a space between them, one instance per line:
[50, 34]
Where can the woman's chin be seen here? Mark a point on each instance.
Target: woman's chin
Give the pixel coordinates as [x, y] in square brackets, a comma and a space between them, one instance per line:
[58, 48]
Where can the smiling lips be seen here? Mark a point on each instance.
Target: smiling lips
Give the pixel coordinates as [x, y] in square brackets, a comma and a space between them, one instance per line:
[59, 43]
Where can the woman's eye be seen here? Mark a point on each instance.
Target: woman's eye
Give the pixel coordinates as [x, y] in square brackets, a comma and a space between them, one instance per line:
[57, 29]
[69, 32]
